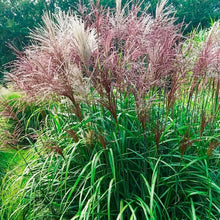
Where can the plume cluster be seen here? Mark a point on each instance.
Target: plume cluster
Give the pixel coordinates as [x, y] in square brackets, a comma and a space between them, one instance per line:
[105, 51]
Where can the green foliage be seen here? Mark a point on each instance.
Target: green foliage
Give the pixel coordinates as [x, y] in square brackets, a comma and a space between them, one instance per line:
[16, 17]
[4, 158]
[98, 169]
[197, 12]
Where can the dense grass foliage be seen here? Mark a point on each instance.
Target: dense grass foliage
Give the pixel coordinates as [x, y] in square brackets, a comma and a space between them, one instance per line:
[19, 119]
[97, 169]
[132, 131]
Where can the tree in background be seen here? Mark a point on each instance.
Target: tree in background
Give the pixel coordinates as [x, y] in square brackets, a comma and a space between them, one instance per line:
[197, 12]
[16, 17]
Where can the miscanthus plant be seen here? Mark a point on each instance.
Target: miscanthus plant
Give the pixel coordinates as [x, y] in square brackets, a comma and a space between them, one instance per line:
[133, 129]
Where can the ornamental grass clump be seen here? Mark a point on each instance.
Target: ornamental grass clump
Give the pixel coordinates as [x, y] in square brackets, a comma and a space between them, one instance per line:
[132, 131]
